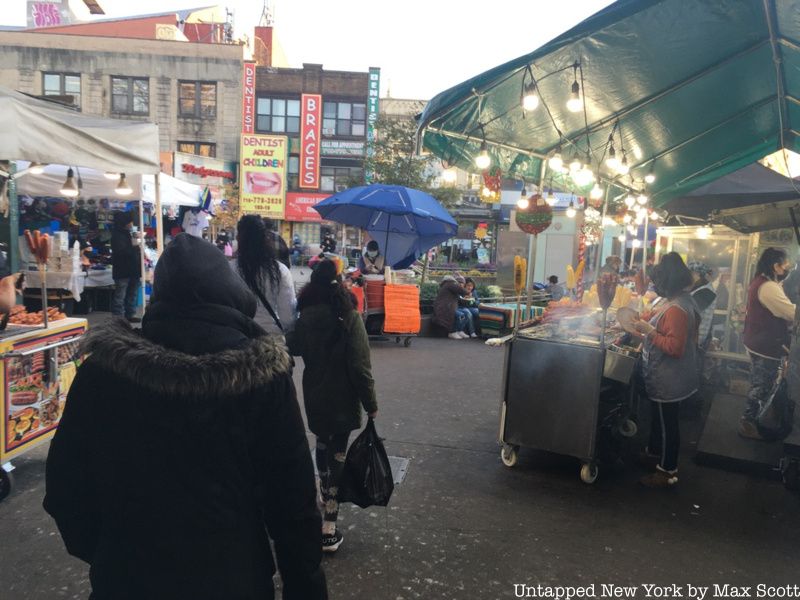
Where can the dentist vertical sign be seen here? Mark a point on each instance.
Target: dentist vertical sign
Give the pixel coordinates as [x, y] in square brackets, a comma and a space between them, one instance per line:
[372, 114]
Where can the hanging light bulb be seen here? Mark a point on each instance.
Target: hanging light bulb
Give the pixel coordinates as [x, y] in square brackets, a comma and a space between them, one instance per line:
[641, 211]
[654, 216]
[704, 232]
[551, 198]
[637, 243]
[482, 161]
[110, 175]
[123, 189]
[574, 104]
[624, 169]
[575, 163]
[630, 201]
[631, 229]
[485, 192]
[597, 192]
[530, 101]
[627, 218]
[650, 177]
[642, 199]
[523, 203]
[70, 188]
[622, 237]
[449, 175]
[556, 162]
[639, 219]
[612, 162]
[36, 168]
[571, 212]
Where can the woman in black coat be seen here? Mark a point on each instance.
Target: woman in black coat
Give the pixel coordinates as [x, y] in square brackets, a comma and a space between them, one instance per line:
[182, 449]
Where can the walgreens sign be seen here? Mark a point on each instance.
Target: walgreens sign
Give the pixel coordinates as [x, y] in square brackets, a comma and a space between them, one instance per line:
[311, 120]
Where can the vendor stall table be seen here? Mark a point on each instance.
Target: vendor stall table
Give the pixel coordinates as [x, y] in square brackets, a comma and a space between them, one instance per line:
[99, 278]
[500, 318]
[38, 367]
[396, 305]
[72, 281]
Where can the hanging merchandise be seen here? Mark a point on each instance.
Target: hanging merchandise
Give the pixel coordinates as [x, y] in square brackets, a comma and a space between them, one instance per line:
[491, 184]
[536, 218]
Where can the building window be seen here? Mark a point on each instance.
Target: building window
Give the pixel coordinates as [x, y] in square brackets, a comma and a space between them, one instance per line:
[294, 172]
[278, 115]
[198, 148]
[62, 84]
[344, 118]
[197, 99]
[336, 179]
[130, 95]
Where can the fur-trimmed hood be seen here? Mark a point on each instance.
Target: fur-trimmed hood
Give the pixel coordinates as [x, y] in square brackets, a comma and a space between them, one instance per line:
[121, 350]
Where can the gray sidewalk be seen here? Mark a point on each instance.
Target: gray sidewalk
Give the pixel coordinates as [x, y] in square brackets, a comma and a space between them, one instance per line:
[463, 526]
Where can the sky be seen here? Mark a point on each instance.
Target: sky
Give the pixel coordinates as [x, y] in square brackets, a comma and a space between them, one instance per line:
[423, 47]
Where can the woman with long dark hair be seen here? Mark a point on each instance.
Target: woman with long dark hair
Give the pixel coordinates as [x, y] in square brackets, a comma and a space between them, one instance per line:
[669, 358]
[337, 380]
[766, 332]
[270, 280]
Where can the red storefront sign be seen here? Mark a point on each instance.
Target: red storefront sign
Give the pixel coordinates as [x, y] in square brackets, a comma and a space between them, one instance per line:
[249, 98]
[300, 206]
[311, 119]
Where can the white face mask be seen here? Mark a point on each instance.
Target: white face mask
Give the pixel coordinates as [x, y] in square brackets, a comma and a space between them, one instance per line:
[372, 253]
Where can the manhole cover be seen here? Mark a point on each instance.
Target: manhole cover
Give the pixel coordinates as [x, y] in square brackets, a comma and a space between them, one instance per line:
[399, 467]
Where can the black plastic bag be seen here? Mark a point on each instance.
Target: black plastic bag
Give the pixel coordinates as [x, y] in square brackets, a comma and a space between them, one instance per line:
[776, 417]
[367, 478]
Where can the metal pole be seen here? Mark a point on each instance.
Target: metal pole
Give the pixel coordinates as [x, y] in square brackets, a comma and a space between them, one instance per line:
[140, 233]
[159, 221]
[601, 242]
[644, 245]
[532, 240]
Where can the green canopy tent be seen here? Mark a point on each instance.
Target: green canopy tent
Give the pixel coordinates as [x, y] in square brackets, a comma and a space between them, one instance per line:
[691, 89]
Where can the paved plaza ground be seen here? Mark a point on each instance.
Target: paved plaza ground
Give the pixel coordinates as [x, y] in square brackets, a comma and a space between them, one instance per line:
[463, 526]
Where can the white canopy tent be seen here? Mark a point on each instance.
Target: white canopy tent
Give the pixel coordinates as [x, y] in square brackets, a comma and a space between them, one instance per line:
[46, 132]
[94, 184]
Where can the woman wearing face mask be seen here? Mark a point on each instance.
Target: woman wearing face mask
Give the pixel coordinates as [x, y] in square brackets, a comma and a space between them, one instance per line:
[766, 332]
[670, 346]
[372, 262]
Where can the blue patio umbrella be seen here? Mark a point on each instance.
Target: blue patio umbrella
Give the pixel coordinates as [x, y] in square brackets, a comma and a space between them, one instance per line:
[404, 221]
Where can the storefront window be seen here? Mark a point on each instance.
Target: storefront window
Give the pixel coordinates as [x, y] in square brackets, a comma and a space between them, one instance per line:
[294, 170]
[198, 148]
[336, 179]
[197, 99]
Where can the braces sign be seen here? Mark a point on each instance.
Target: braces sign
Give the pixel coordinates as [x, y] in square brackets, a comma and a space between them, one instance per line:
[311, 117]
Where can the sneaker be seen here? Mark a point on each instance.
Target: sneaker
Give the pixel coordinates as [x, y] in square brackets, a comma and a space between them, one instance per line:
[659, 479]
[331, 542]
[454, 336]
[462, 335]
[748, 429]
[473, 335]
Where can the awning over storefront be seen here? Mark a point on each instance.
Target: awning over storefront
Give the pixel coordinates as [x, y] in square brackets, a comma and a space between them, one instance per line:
[45, 132]
[694, 89]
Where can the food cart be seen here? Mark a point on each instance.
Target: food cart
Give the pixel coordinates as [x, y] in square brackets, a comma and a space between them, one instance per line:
[38, 366]
[397, 304]
[567, 386]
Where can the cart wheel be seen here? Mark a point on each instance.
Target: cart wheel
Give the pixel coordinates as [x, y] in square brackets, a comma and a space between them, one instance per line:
[628, 428]
[589, 473]
[509, 455]
[397, 340]
[5, 483]
[407, 342]
[791, 475]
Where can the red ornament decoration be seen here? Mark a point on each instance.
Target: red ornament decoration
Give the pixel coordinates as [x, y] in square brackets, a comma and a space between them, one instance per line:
[491, 179]
[536, 218]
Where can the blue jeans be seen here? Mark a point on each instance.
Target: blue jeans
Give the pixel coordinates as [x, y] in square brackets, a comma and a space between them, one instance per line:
[125, 293]
[460, 322]
[470, 317]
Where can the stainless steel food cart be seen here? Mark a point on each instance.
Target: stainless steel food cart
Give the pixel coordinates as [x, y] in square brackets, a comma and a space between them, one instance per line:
[552, 399]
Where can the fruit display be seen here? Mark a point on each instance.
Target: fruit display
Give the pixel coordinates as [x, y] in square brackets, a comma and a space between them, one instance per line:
[20, 316]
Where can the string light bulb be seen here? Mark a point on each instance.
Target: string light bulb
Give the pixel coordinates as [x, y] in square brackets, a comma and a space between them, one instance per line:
[530, 101]
[523, 203]
[556, 162]
[482, 161]
[636, 243]
[627, 218]
[622, 237]
[642, 199]
[612, 162]
[575, 163]
[624, 169]
[630, 201]
[571, 212]
[449, 175]
[110, 175]
[70, 188]
[36, 168]
[654, 216]
[597, 192]
[574, 104]
[551, 198]
[650, 177]
[704, 232]
[631, 229]
[123, 189]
